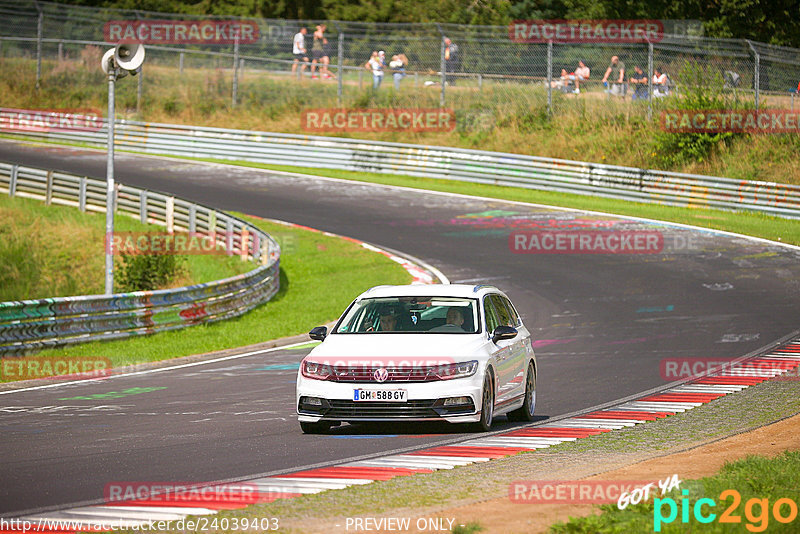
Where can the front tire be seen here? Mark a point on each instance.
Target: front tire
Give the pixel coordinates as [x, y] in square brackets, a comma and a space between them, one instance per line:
[320, 427]
[525, 412]
[487, 405]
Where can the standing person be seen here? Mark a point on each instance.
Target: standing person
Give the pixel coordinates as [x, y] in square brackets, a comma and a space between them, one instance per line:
[450, 59]
[615, 75]
[660, 87]
[639, 83]
[299, 51]
[398, 66]
[375, 64]
[317, 50]
[326, 58]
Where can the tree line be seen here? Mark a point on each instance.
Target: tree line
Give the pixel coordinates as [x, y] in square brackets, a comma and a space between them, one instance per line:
[771, 21]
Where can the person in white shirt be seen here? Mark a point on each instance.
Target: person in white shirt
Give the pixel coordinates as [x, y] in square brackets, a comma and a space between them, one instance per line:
[660, 88]
[376, 64]
[299, 51]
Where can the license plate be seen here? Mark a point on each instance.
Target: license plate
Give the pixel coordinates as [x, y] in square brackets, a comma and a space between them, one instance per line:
[380, 395]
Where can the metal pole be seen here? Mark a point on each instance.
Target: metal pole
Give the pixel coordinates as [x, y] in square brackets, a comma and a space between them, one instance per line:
[649, 80]
[443, 77]
[180, 63]
[756, 72]
[39, 25]
[550, 77]
[235, 69]
[112, 75]
[60, 51]
[340, 72]
[139, 91]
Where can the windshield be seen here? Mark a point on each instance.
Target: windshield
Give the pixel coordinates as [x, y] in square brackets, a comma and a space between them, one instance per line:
[435, 315]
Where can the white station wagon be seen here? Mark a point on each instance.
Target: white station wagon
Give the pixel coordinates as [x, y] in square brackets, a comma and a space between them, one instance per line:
[456, 353]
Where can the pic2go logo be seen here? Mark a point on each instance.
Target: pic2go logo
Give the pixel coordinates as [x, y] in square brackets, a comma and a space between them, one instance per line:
[756, 511]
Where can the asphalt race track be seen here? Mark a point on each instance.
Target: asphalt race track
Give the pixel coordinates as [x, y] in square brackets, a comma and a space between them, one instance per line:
[603, 324]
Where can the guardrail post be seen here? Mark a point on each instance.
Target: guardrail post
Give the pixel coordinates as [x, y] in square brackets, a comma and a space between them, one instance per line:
[82, 193]
[12, 186]
[169, 210]
[180, 63]
[244, 243]
[340, 72]
[49, 191]
[549, 77]
[256, 247]
[143, 206]
[192, 218]
[229, 236]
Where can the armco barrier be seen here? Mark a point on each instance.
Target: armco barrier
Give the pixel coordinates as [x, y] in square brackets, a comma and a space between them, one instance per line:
[31, 325]
[513, 170]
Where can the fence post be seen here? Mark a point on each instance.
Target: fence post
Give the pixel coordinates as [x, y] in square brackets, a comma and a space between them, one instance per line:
[649, 80]
[60, 51]
[340, 72]
[480, 82]
[756, 72]
[139, 90]
[235, 70]
[12, 186]
[39, 24]
[82, 194]
[549, 77]
[180, 63]
[360, 79]
[442, 66]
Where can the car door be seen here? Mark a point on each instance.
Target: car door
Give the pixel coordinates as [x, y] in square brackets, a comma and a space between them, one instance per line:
[501, 352]
[516, 351]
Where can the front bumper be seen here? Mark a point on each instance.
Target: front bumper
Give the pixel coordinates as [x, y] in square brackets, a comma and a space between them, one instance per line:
[426, 401]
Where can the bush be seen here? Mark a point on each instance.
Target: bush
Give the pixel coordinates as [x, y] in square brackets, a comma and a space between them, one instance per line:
[149, 272]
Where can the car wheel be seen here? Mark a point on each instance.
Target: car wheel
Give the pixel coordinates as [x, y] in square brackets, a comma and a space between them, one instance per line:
[487, 405]
[525, 412]
[320, 427]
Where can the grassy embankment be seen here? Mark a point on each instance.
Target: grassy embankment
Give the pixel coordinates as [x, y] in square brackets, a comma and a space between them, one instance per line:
[506, 117]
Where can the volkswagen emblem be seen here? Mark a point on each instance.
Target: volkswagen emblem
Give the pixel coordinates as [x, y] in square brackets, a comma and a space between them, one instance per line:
[380, 374]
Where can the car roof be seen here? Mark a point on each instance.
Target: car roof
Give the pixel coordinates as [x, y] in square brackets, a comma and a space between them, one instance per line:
[433, 290]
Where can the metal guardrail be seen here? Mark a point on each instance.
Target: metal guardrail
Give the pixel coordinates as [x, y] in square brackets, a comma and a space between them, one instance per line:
[512, 170]
[31, 325]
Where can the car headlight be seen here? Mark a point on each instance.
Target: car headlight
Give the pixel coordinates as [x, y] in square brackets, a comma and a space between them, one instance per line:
[456, 370]
[317, 371]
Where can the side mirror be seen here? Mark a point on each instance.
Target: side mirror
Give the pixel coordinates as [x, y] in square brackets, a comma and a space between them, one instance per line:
[319, 333]
[502, 332]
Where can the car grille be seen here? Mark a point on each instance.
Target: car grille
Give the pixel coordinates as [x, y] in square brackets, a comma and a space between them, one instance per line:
[414, 408]
[366, 374]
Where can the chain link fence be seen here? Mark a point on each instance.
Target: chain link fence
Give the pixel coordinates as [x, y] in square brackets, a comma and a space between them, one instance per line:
[486, 75]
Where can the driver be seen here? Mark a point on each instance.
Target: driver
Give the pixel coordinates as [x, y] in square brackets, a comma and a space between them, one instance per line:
[455, 317]
[388, 320]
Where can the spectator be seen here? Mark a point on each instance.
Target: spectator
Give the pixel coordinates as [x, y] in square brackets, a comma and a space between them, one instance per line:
[326, 58]
[660, 87]
[568, 79]
[639, 83]
[451, 59]
[299, 51]
[376, 65]
[398, 66]
[615, 76]
[318, 51]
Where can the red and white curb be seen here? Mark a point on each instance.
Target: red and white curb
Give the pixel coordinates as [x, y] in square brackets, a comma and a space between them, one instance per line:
[650, 407]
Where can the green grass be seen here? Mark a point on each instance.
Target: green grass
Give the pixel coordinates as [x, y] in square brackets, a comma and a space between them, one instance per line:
[753, 224]
[754, 477]
[57, 251]
[317, 283]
